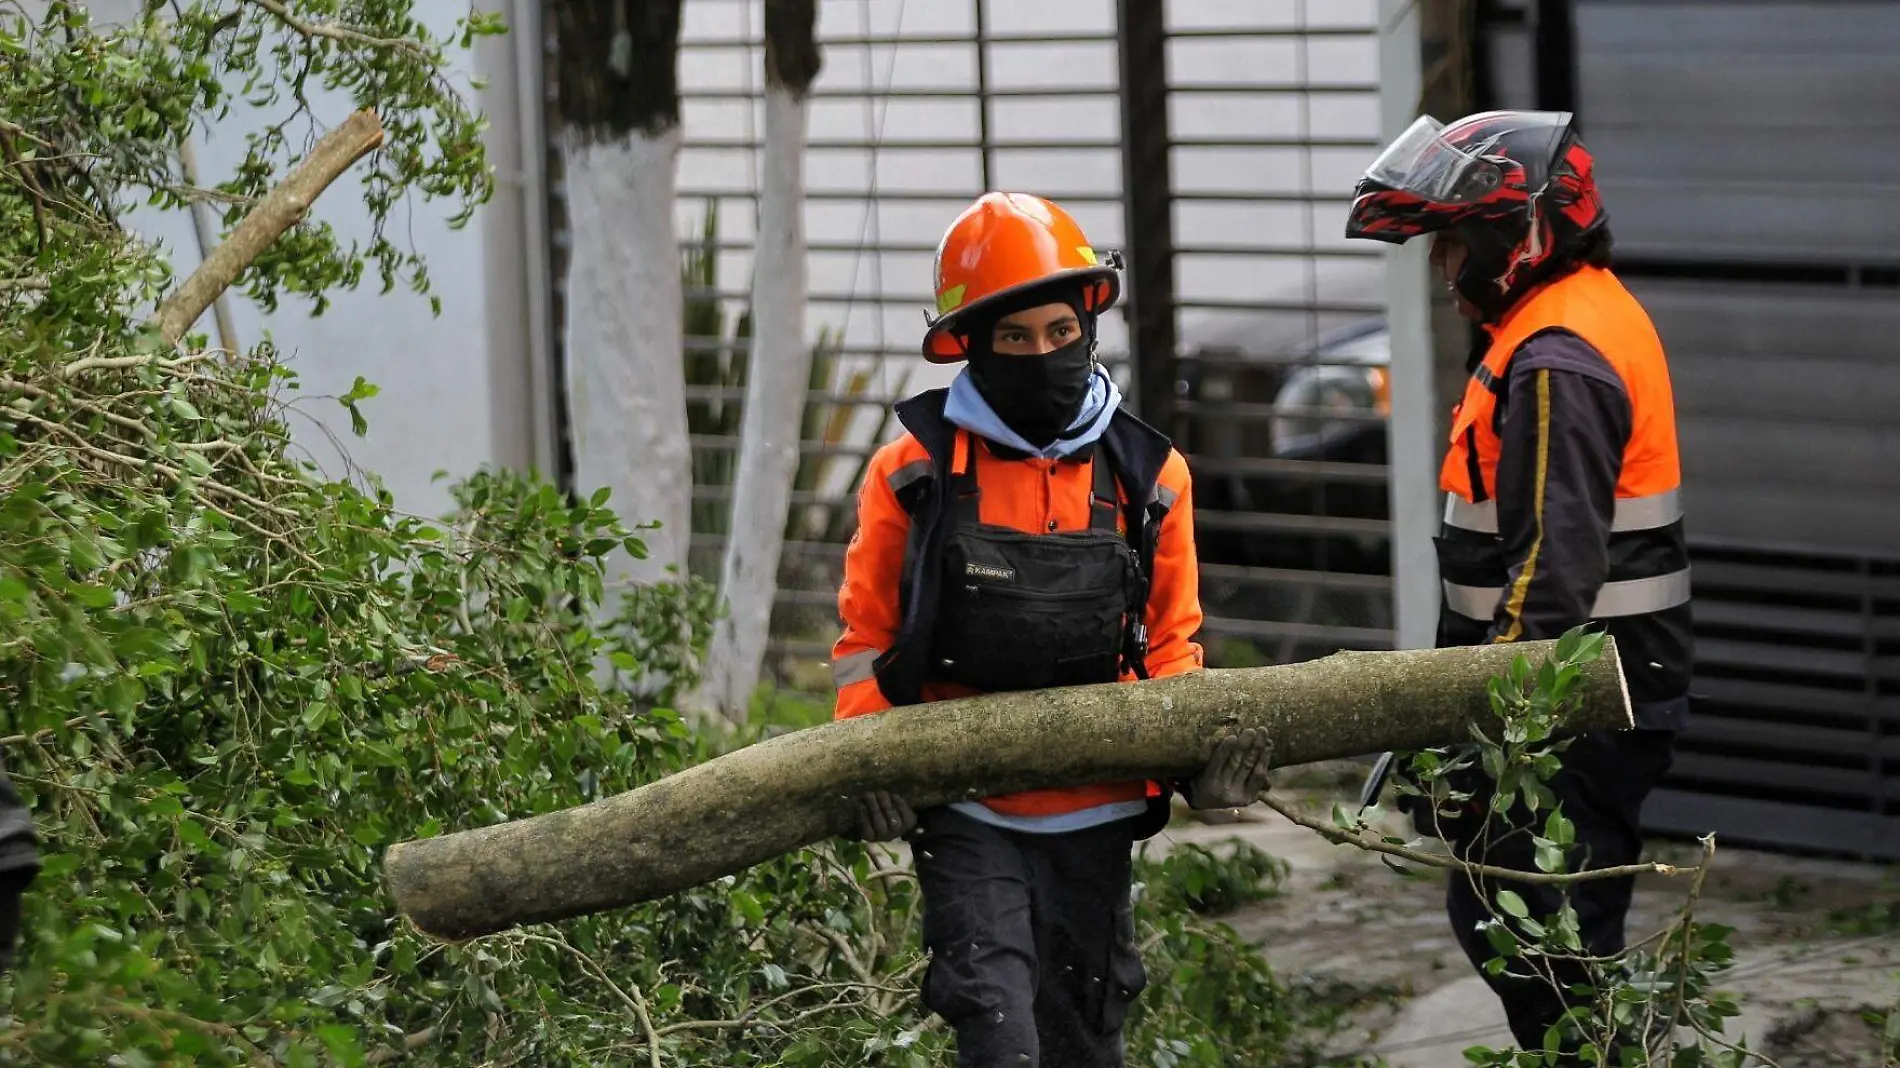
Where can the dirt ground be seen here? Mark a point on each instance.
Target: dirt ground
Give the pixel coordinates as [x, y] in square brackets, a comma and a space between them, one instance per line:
[1817, 970]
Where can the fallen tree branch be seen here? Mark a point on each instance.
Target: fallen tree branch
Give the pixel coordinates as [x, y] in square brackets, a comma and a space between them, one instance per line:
[410, 1043]
[281, 209]
[118, 363]
[335, 31]
[173, 473]
[27, 181]
[1341, 836]
[44, 732]
[779, 795]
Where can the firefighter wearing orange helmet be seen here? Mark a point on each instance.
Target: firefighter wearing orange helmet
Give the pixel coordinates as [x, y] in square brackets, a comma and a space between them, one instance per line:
[1023, 533]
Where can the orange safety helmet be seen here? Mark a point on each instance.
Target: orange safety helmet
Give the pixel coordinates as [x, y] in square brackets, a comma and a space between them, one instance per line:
[1002, 245]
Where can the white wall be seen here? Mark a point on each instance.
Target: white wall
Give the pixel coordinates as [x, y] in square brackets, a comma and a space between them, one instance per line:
[437, 408]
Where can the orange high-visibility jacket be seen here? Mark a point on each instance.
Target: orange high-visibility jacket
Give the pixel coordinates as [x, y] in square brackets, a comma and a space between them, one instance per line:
[1636, 580]
[1027, 494]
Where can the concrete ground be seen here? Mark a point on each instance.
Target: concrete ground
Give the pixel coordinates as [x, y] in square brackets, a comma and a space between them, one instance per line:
[1817, 968]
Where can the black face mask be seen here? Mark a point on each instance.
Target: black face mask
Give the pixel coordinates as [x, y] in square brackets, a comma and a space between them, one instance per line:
[1036, 396]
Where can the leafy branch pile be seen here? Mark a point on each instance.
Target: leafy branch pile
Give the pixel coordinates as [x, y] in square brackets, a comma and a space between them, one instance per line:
[1656, 1001]
[227, 680]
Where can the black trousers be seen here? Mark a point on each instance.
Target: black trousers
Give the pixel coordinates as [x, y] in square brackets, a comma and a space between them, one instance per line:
[1605, 778]
[1033, 958]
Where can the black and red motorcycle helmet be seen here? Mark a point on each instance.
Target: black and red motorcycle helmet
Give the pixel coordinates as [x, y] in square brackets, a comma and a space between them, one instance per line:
[1517, 187]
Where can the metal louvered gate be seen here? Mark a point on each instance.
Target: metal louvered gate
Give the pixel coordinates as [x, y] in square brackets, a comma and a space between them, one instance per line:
[919, 108]
[1796, 736]
[1260, 341]
[1743, 150]
[1213, 140]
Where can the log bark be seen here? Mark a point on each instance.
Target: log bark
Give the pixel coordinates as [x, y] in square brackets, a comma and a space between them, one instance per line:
[749, 806]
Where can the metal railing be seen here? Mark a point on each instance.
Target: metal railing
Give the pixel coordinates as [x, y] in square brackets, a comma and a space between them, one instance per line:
[1253, 161]
[1210, 139]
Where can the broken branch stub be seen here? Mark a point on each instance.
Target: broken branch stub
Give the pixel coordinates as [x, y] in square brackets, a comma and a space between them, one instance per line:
[749, 806]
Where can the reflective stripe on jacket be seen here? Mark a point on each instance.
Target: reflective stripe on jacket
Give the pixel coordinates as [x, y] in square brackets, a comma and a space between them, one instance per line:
[1563, 489]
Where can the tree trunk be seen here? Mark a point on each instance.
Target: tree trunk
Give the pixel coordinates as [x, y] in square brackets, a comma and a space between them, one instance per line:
[626, 389]
[746, 807]
[779, 370]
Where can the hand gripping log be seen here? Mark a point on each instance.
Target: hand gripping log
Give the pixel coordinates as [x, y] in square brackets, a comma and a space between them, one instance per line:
[749, 806]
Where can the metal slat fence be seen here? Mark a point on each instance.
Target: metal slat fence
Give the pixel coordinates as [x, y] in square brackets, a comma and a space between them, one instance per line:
[1259, 113]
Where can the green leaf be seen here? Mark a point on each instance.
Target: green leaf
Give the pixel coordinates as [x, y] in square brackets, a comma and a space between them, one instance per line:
[1568, 643]
[1511, 903]
[1591, 648]
[748, 907]
[92, 596]
[1559, 829]
[242, 601]
[1549, 857]
[1502, 941]
[341, 1043]
[361, 389]
[193, 834]
[122, 696]
[1343, 817]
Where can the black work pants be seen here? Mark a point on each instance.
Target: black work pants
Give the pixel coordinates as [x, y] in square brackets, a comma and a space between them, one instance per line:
[1605, 778]
[1033, 958]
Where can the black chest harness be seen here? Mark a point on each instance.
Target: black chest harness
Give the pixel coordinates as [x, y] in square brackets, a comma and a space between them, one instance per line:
[998, 609]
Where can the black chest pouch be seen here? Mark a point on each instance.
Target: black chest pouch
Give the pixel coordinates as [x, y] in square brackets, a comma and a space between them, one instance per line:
[1022, 611]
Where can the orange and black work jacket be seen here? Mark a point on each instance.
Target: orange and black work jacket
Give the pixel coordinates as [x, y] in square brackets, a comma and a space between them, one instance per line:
[937, 479]
[1563, 486]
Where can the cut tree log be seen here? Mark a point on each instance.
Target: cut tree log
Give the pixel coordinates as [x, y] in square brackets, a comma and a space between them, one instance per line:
[749, 806]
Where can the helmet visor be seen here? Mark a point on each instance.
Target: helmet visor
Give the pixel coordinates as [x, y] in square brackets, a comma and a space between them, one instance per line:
[1423, 164]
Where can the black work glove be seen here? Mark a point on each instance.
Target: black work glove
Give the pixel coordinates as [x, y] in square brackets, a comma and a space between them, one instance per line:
[1236, 775]
[883, 816]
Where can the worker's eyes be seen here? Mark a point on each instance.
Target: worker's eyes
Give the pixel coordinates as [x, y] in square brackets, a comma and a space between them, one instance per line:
[1019, 336]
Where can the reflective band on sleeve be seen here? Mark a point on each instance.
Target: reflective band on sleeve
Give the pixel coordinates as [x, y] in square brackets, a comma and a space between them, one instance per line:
[1465, 515]
[1166, 496]
[1632, 513]
[854, 668]
[907, 474]
[1639, 597]
[1648, 513]
[1630, 597]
